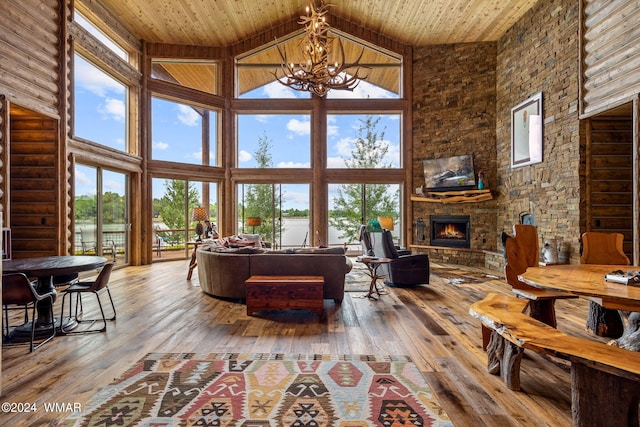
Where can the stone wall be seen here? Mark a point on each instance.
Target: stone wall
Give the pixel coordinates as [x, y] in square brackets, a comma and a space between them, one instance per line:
[453, 115]
[462, 100]
[540, 54]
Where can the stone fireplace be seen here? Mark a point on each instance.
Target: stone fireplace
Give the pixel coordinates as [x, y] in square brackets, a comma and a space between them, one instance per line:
[450, 231]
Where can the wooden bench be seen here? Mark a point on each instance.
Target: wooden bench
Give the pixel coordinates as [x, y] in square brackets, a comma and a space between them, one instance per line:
[285, 293]
[605, 380]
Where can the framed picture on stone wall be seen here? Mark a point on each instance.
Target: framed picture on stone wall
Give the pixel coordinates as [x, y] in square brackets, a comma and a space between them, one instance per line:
[526, 132]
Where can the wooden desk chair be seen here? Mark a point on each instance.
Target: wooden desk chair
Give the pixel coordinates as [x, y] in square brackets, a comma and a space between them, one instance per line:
[607, 249]
[522, 251]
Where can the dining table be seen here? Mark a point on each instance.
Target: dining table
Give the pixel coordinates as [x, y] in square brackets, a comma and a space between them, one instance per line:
[44, 269]
[588, 280]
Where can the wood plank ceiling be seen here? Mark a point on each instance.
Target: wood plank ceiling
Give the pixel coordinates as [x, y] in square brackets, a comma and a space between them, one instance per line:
[225, 22]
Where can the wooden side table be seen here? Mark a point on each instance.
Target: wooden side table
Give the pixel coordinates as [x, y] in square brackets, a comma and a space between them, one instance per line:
[285, 293]
[193, 263]
[373, 263]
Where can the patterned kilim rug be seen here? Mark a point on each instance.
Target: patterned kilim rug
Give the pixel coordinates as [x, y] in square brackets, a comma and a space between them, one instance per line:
[259, 390]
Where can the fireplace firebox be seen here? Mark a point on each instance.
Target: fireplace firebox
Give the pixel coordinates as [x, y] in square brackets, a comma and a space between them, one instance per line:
[452, 231]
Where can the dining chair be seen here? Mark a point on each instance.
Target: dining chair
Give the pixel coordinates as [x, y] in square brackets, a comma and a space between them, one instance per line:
[605, 249]
[19, 293]
[96, 287]
[521, 251]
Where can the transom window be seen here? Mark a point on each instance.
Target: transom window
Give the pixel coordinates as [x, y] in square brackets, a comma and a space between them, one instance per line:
[382, 69]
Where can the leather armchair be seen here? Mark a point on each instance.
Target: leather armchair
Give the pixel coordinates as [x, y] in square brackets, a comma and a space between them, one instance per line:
[405, 269]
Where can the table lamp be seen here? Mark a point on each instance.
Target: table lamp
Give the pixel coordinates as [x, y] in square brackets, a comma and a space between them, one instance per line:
[254, 222]
[199, 214]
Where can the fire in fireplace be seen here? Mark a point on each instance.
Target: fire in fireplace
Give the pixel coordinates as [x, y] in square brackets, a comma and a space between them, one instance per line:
[450, 231]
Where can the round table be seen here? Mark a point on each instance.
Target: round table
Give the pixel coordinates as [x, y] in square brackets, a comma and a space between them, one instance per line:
[44, 268]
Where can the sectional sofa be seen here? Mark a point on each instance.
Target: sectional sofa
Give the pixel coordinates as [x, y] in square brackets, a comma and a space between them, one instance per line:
[223, 270]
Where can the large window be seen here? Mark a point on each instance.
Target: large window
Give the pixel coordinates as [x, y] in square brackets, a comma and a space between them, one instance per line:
[100, 106]
[363, 140]
[353, 204]
[183, 133]
[279, 213]
[173, 226]
[274, 140]
[101, 212]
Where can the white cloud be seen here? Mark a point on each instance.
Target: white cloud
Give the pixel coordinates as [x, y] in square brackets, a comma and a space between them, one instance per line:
[276, 90]
[299, 127]
[114, 186]
[160, 145]
[244, 156]
[335, 162]
[344, 146]
[84, 185]
[94, 80]
[81, 178]
[262, 118]
[297, 198]
[188, 116]
[364, 90]
[293, 165]
[113, 109]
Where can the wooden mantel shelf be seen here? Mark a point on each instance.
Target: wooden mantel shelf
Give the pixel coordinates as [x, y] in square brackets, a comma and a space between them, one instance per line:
[465, 196]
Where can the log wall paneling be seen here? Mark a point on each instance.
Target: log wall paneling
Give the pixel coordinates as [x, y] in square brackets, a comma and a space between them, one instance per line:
[610, 58]
[609, 176]
[29, 42]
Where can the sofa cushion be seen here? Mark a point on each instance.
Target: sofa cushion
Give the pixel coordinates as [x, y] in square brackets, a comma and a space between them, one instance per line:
[332, 250]
[240, 250]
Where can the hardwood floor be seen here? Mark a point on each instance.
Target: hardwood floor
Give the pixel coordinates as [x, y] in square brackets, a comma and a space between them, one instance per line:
[160, 311]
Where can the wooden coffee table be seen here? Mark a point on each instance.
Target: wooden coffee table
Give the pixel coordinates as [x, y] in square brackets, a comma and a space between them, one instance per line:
[285, 293]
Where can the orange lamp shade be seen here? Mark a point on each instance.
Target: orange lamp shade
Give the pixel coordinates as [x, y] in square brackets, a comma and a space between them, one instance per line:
[386, 222]
[254, 221]
[198, 214]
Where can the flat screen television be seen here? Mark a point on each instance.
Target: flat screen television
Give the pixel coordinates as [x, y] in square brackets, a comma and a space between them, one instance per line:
[449, 173]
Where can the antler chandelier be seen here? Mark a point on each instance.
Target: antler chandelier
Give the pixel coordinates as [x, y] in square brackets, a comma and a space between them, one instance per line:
[314, 73]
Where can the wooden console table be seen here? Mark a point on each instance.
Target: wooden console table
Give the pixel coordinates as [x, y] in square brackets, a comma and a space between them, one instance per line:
[285, 293]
